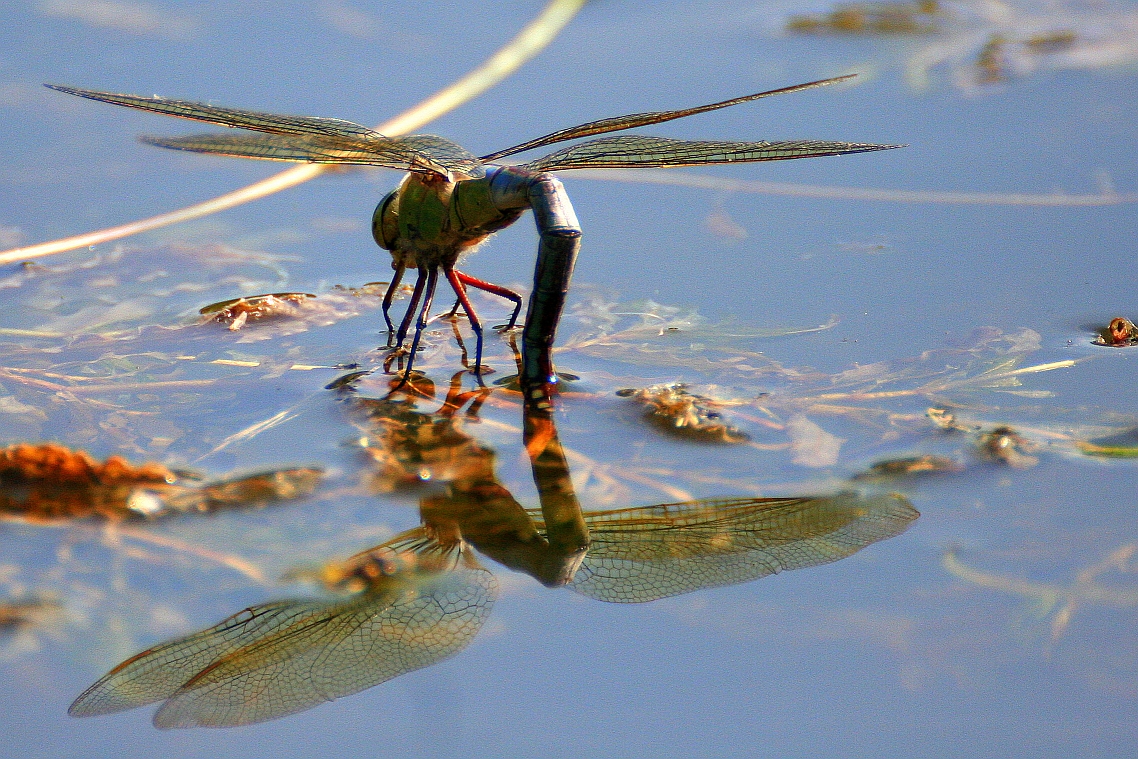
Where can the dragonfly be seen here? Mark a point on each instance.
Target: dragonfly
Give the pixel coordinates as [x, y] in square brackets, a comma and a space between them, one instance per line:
[450, 201]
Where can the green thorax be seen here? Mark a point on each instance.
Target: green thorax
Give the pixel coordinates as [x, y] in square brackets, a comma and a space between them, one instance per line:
[430, 220]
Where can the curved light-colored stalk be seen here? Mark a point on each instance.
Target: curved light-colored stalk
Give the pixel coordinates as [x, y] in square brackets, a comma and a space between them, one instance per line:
[528, 43]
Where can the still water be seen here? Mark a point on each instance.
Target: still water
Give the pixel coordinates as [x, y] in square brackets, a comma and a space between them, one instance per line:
[813, 326]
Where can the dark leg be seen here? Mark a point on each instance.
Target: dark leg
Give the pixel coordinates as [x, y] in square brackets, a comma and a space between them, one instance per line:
[387, 298]
[405, 325]
[424, 314]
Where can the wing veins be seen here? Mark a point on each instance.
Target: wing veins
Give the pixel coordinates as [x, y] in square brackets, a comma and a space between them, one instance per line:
[387, 153]
[631, 121]
[237, 118]
[642, 151]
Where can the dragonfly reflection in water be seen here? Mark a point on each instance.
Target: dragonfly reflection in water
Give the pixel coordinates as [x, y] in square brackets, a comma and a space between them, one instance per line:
[451, 201]
[423, 596]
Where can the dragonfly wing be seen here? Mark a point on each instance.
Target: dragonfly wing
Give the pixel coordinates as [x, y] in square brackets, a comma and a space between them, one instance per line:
[404, 622]
[642, 151]
[230, 117]
[412, 153]
[158, 673]
[644, 554]
[336, 140]
[631, 121]
[442, 152]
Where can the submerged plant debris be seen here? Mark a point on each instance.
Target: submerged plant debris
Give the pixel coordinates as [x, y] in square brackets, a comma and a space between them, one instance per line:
[51, 463]
[646, 333]
[1120, 333]
[677, 411]
[920, 17]
[236, 311]
[27, 612]
[1059, 602]
[985, 43]
[1007, 446]
[1123, 445]
[51, 483]
[911, 466]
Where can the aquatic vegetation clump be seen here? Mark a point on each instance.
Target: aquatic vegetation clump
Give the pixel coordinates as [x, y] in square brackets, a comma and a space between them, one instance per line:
[987, 42]
[50, 483]
[26, 463]
[1120, 333]
[1005, 445]
[674, 409]
[920, 17]
[236, 311]
[1121, 446]
[910, 466]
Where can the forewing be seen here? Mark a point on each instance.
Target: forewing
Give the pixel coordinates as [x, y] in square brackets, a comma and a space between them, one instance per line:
[631, 121]
[313, 139]
[406, 622]
[642, 151]
[410, 153]
[643, 554]
[230, 117]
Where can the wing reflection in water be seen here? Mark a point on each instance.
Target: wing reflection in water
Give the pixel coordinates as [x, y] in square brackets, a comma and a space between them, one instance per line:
[421, 602]
[422, 596]
[638, 555]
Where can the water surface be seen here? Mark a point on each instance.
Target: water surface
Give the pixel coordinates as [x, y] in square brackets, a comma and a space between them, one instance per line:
[1000, 623]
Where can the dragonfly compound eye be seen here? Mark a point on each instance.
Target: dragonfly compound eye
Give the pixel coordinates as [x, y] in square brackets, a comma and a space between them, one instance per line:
[385, 222]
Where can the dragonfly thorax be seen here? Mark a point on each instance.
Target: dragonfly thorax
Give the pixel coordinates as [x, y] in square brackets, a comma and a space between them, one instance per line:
[418, 223]
[431, 221]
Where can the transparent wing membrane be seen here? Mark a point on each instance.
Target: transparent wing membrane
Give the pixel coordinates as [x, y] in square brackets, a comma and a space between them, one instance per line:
[296, 138]
[230, 117]
[159, 673]
[642, 151]
[413, 153]
[642, 554]
[619, 123]
[335, 141]
[279, 658]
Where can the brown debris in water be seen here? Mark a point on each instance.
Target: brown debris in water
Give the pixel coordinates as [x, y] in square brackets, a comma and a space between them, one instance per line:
[920, 17]
[236, 311]
[675, 410]
[913, 465]
[29, 612]
[1003, 444]
[50, 483]
[1120, 333]
[54, 463]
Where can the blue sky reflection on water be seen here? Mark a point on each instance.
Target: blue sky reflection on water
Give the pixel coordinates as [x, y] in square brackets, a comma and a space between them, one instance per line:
[886, 653]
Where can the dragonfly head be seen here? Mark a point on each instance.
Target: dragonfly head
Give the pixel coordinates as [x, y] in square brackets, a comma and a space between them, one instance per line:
[385, 221]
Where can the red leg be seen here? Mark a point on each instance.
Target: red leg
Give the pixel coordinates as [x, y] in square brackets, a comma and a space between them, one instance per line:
[456, 280]
[501, 292]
